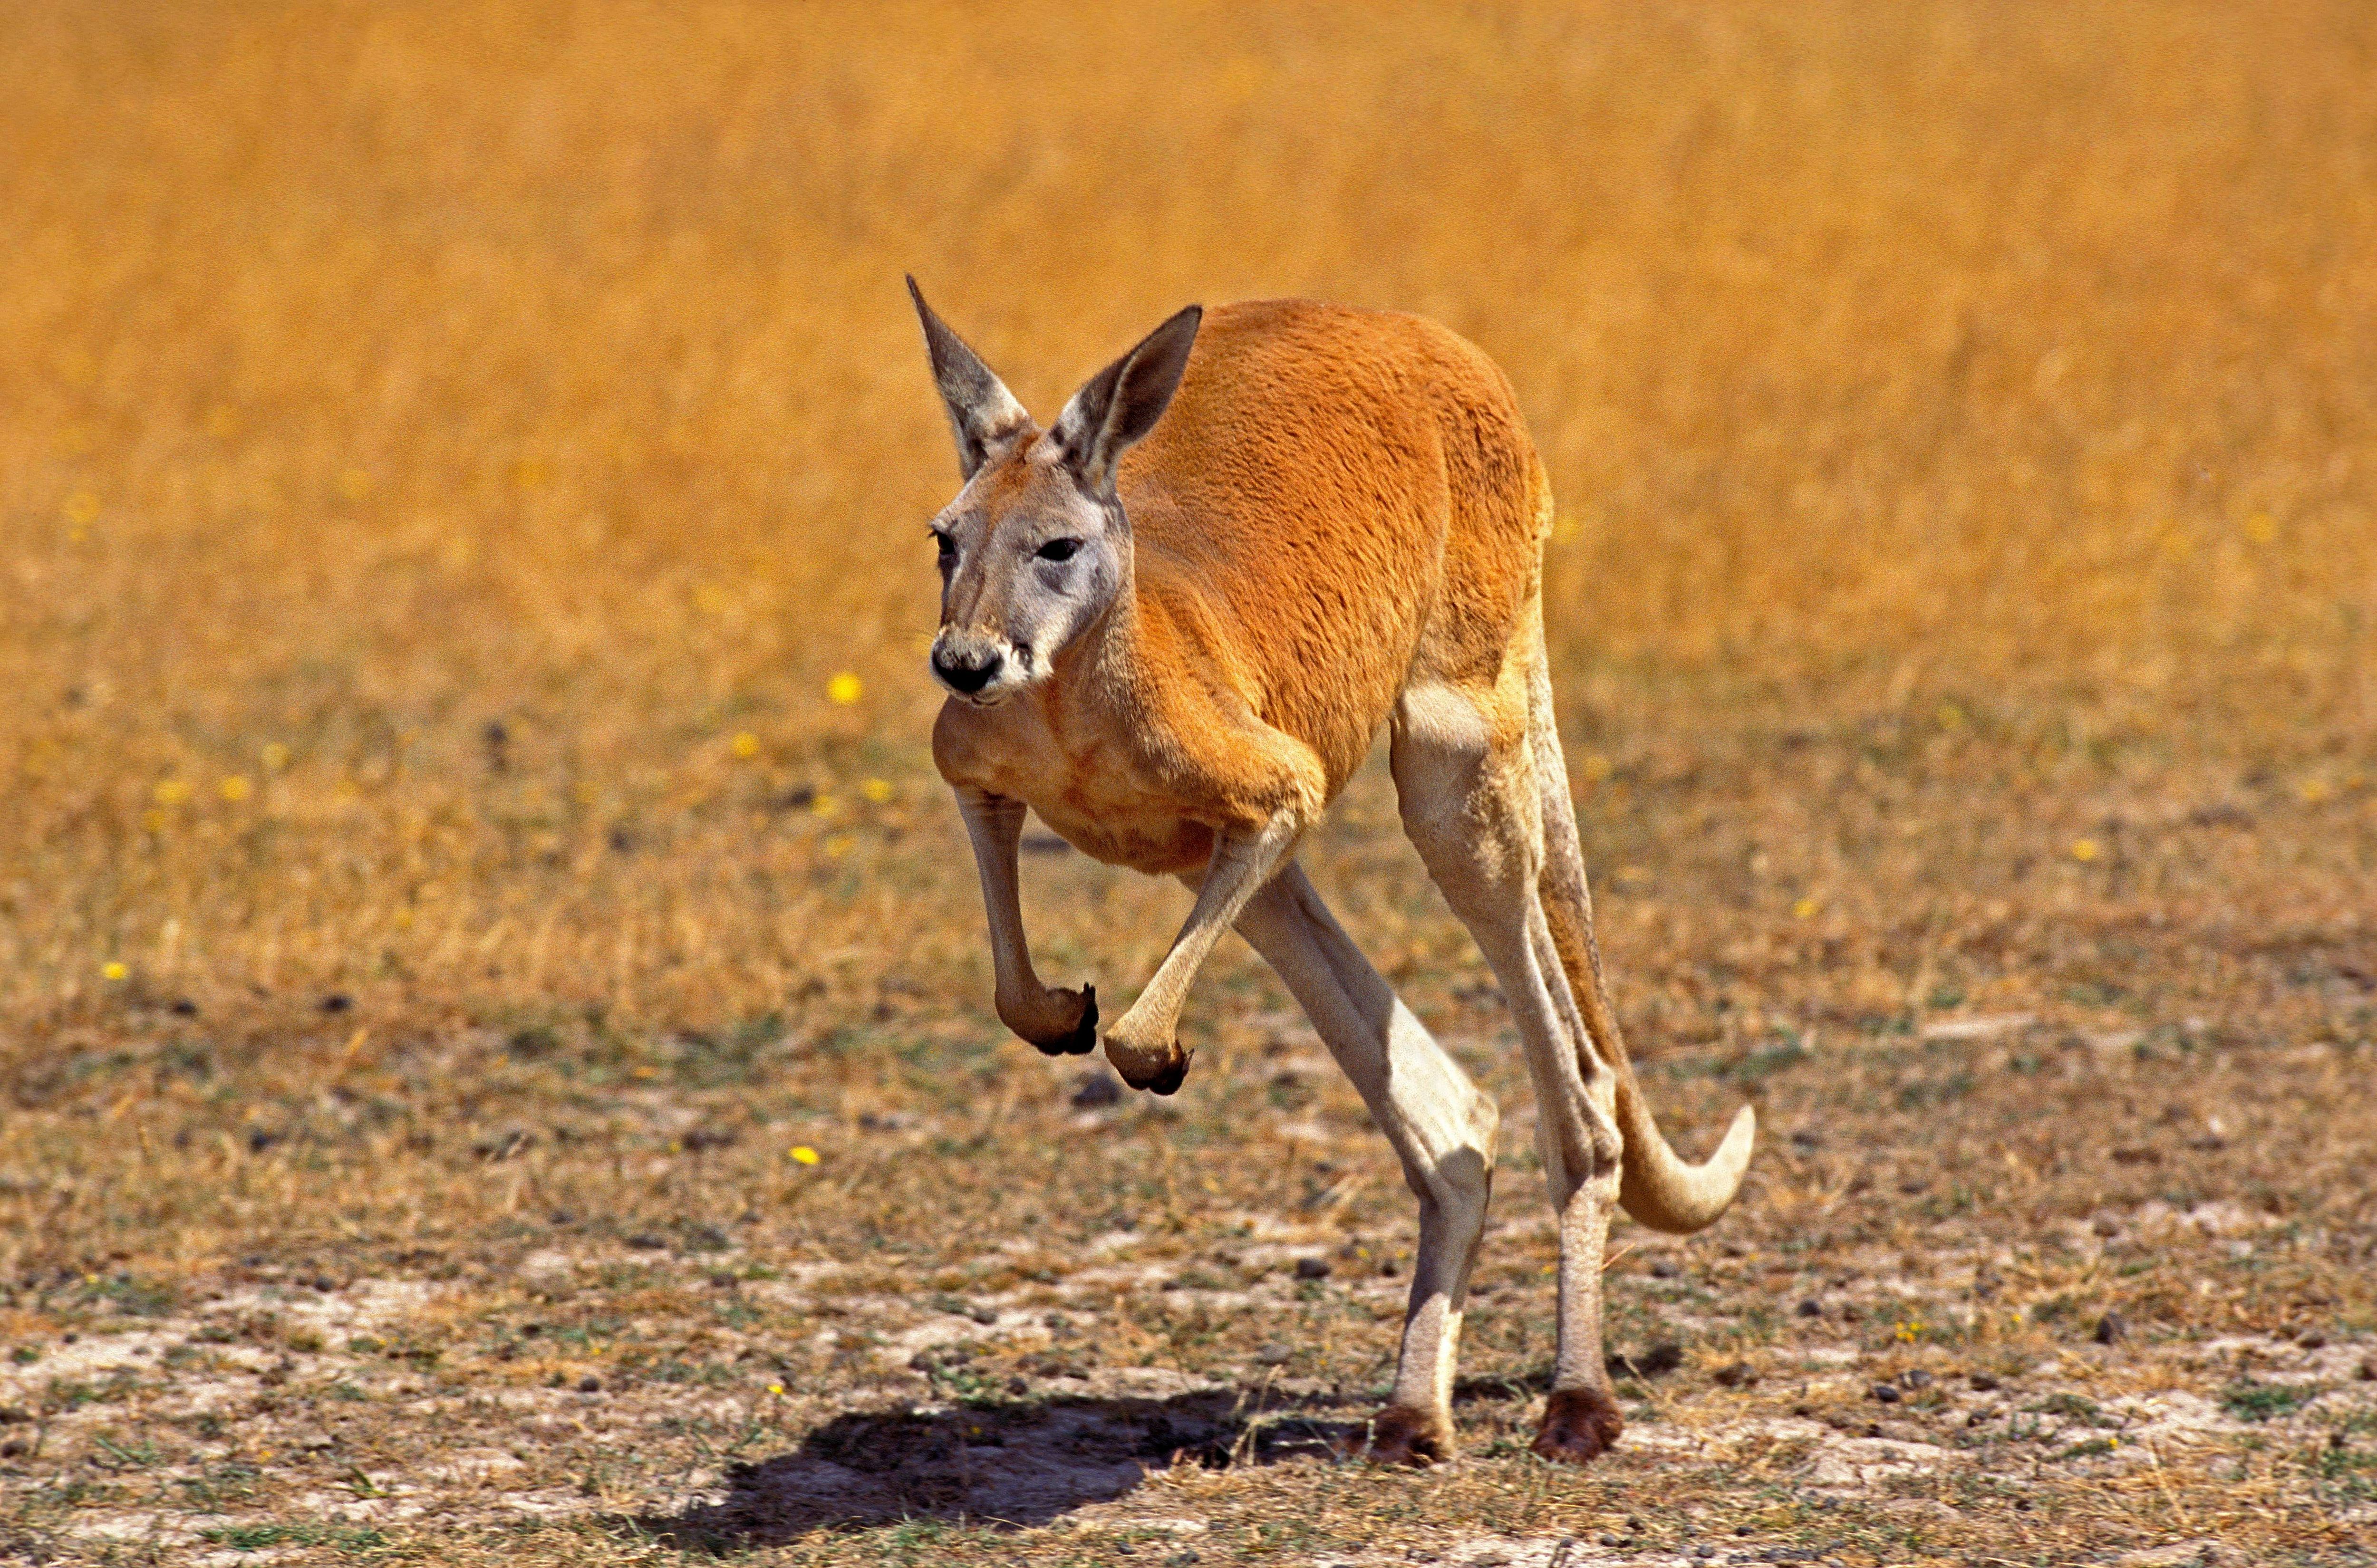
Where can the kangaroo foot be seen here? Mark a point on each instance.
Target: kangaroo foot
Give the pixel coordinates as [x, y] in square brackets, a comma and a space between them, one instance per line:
[1401, 1435]
[1580, 1426]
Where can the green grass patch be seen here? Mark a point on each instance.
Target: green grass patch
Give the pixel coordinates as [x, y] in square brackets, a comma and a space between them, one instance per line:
[2249, 1401]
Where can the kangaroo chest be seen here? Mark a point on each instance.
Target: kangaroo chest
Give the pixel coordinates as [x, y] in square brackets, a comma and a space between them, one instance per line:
[1090, 789]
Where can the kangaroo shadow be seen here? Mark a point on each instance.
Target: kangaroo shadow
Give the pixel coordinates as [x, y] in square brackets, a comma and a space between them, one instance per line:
[1013, 1465]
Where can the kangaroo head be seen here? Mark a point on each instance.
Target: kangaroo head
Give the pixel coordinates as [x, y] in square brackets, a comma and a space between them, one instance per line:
[1036, 547]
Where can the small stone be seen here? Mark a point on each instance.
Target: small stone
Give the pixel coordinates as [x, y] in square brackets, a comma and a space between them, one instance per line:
[2368, 1373]
[1915, 1377]
[2311, 1339]
[1811, 1308]
[1736, 1374]
[1886, 1392]
[1272, 1355]
[1983, 1382]
[1312, 1268]
[589, 1384]
[1096, 1090]
[2110, 1328]
[1664, 1268]
[337, 1002]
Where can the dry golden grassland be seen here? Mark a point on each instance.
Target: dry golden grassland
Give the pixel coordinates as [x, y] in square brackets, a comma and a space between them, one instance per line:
[493, 1016]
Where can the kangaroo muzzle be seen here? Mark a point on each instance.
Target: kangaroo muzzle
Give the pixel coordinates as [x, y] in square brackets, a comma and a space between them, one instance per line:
[975, 664]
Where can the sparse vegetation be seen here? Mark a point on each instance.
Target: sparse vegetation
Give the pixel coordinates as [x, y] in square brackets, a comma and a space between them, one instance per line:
[493, 1013]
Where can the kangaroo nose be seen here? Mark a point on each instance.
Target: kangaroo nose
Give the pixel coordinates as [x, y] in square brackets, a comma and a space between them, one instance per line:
[964, 673]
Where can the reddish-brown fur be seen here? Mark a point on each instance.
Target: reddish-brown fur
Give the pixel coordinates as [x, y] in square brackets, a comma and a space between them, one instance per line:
[1337, 520]
[1364, 486]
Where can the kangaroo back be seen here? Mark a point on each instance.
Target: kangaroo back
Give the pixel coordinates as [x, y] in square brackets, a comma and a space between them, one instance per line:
[1334, 503]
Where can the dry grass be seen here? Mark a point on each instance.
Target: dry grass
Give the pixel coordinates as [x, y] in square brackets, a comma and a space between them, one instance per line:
[448, 453]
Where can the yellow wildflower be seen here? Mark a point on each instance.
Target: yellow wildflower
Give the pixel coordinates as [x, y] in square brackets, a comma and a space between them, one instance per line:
[82, 508]
[843, 690]
[2085, 848]
[877, 789]
[171, 791]
[275, 756]
[235, 789]
[1805, 908]
[114, 970]
[746, 745]
[801, 1154]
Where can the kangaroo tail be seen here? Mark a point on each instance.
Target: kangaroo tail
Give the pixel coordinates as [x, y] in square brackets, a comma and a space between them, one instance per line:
[1655, 1184]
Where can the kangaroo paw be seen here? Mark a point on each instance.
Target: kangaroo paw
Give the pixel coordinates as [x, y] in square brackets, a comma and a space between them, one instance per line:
[1082, 1038]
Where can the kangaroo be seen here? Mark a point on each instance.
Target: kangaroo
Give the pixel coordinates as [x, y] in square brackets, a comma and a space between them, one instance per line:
[1173, 623]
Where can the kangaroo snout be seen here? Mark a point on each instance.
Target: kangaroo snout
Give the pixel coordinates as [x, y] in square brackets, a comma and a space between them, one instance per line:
[966, 664]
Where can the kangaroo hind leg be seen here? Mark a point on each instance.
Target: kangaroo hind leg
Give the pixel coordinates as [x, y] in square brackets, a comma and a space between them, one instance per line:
[1466, 775]
[1441, 1126]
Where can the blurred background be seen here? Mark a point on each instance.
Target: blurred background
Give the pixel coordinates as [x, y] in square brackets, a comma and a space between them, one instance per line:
[463, 468]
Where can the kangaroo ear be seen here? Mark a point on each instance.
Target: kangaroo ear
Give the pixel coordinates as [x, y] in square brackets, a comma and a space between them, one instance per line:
[1123, 401]
[983, 413]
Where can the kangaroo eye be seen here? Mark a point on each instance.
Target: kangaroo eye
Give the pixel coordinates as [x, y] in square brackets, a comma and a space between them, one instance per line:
[945, 544]
[1060, 549]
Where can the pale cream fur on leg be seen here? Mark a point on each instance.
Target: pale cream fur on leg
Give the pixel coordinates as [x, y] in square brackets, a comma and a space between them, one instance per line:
[1472, 806]
[1440, 1125]
[1143, 1044]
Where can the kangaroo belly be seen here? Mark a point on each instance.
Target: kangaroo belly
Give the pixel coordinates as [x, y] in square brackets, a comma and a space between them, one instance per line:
[1146, 836]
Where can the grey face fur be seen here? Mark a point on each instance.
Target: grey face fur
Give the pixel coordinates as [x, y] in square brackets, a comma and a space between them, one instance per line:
[1026, 567]
[1036, 547]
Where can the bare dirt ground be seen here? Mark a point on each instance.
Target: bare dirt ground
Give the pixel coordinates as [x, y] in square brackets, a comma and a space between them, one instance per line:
[495, 1061]
[2059, 1248]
